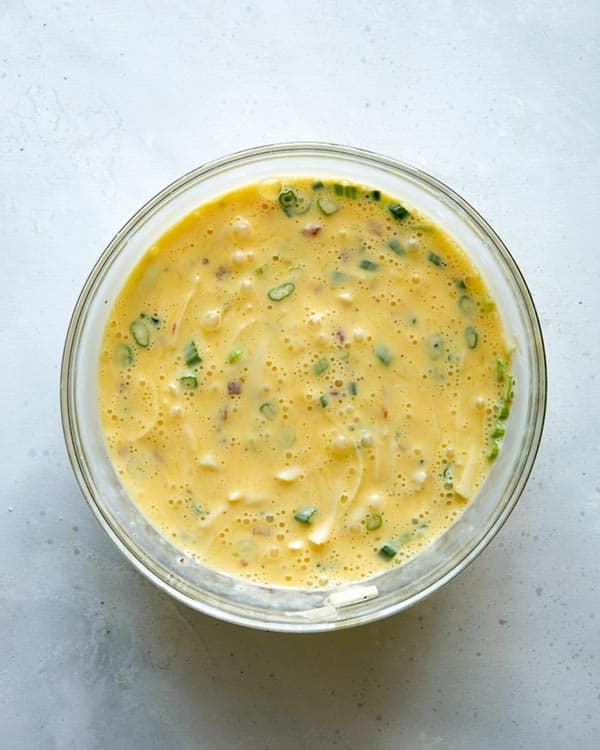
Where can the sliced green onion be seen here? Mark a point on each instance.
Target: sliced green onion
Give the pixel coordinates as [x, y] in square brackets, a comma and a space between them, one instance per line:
[388, 551]
[277, 293]
[448, 474]
[323, 400]
[499, 430]
[268, 410]
[140, 332]
[305, 515]
[368, 265]
[471, 336]
[396, 247]
[287, 198]
[317, 185]
[349, 191]
[234, 355]
[198, 510]
[376, 195]
[423, 227]
[337, 277]
[501, 370]
[504, 410]
[494, 451]
[436, 260]
[321, 365]
[508, 397]
[466, 304]
[383, 354]
[191, 355]
[373, 522]
[352, 389]
[126, 355]
[327, 206]
[460, 283]
[292, 204]
[154, 319]
[261, 270]
[189, 382]
[435, 344]
[398, 211]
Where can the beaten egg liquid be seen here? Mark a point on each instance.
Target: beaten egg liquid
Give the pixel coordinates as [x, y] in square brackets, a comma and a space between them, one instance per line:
[303, 383]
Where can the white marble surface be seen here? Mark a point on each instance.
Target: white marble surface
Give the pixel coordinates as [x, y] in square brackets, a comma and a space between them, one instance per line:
[101, 105]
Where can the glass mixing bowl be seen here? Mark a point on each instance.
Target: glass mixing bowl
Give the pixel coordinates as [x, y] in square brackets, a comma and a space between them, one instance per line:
[274, 607]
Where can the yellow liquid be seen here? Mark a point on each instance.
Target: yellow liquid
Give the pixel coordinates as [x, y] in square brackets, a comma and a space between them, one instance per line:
[303, 388]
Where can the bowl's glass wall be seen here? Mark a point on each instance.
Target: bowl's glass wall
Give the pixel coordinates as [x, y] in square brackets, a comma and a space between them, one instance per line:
[274, 607]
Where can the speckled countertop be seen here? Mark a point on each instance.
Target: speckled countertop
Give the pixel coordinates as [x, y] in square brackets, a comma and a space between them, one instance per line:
[102, 104]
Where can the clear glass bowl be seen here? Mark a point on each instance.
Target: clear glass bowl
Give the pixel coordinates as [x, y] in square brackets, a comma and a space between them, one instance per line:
[273, 607]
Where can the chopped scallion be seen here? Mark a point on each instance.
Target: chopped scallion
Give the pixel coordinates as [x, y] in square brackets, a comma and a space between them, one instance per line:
[287, 198]
[189, 382]
[494, 451]
[323, 400]
[126, 355]
[471, 336]
[352, 389]
[198, 510]
[396, 247]
[305, 515]
[388, 551]
[191, 355]
[501, 370]
[499, 430]
[234, 355]
[398, 211]
[508, 397]
[321, 365]
[448, 474]
[140, 332]
[466, 304]
[327, 206]
[376, 195]
[436, 260]
[292, 204]
[277, 293]
[383, 354]
[373, 521]
[368, 265]
[154, 319]
[268, 410]
[436, 346]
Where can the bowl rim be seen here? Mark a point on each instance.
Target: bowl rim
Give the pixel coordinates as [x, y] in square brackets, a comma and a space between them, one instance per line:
[252, 154]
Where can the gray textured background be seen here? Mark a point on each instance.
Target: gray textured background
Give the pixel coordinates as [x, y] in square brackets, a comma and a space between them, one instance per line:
[101, 105]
